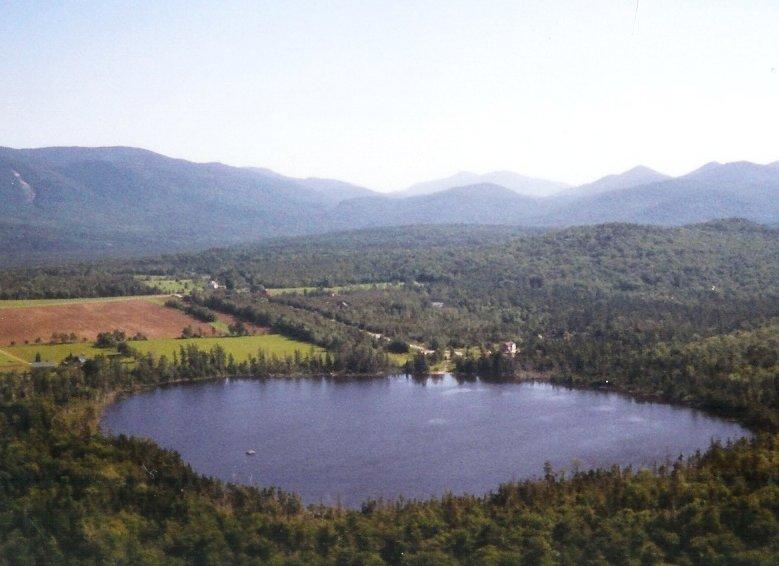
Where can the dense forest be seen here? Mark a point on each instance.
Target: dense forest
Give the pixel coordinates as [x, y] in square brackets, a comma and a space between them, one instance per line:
[688, 314]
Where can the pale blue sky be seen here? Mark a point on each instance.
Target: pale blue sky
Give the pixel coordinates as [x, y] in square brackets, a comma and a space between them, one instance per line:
[389, 93]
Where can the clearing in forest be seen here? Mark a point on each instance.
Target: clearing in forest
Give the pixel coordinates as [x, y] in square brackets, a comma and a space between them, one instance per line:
[241, 347]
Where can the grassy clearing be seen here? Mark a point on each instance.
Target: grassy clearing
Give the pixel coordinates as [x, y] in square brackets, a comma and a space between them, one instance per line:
[400, 359]
[56, 352]
[170, 284]
[221, 326]
[336, 289]
[241, 347]
[25, 303]
[7, 362]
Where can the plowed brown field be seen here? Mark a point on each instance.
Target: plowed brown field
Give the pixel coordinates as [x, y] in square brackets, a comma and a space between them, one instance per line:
[86, 320]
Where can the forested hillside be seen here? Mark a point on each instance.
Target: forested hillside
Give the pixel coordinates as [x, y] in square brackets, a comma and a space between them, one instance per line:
[69, 203]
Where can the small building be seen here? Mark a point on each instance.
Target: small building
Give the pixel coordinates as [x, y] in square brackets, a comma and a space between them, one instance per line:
[508, 349]
[213, 284]
[437, 305]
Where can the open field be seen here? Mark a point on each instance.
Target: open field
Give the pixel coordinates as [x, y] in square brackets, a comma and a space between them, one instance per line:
[27, 322]
[9, 361]
[171, 284]
[400, 359]
[241, 347]
[26, 303]
[337, 289]
[56, 352]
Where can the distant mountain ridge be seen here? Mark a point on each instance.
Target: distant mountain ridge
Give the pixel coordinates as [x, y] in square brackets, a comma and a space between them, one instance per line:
[332, 190]
[634, 177]
[75, 202]
[739, 189]
[520, 184]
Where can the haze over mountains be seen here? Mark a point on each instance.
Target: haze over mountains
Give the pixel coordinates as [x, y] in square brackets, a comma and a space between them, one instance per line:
[527, 186]
[69, 202]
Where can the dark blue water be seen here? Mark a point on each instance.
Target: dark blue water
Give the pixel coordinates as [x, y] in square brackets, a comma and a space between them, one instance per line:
[348, 441]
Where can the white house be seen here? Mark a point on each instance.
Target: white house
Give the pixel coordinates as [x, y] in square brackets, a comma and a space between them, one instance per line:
[508, 349]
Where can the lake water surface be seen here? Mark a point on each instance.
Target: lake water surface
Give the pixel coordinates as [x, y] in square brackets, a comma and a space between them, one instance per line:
[347, 441]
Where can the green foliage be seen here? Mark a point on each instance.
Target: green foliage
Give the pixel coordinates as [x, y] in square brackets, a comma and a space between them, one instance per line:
[686, 314]
[397, 346]
[68, 282]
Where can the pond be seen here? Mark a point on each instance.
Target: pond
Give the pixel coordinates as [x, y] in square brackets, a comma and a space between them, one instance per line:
[344, 441]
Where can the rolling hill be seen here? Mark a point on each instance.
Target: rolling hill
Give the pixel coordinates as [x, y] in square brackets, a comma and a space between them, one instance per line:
[471, 204]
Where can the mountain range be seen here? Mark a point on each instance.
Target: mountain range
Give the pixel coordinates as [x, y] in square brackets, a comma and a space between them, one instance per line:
[527, 186]
[75, 202]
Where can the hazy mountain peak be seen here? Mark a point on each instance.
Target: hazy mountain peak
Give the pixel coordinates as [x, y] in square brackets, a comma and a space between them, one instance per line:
[520, 184]
[134, 199]
[734, 171]
[483, 190]
[637, 176]
[336, 190]
[708, 167]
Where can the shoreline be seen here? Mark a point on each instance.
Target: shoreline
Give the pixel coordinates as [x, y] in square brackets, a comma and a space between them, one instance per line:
[112, 397]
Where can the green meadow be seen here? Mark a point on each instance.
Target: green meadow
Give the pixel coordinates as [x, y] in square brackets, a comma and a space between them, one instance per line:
[241, 347]
[56, 352]
[170, 284]
[7, 362]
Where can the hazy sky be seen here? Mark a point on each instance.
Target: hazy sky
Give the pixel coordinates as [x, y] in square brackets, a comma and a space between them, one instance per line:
[389, 93]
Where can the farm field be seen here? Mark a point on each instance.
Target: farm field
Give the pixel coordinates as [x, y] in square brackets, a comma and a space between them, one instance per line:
[26, 303]
[27, 321]
[8, 362]
[241, 347]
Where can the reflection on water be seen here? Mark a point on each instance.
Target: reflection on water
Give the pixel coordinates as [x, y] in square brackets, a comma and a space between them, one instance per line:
[343, 440]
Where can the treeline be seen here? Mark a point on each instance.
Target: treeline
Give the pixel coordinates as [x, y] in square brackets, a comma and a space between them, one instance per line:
[293, 323]
[103, 374]
[197, 311]
[69, 282]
